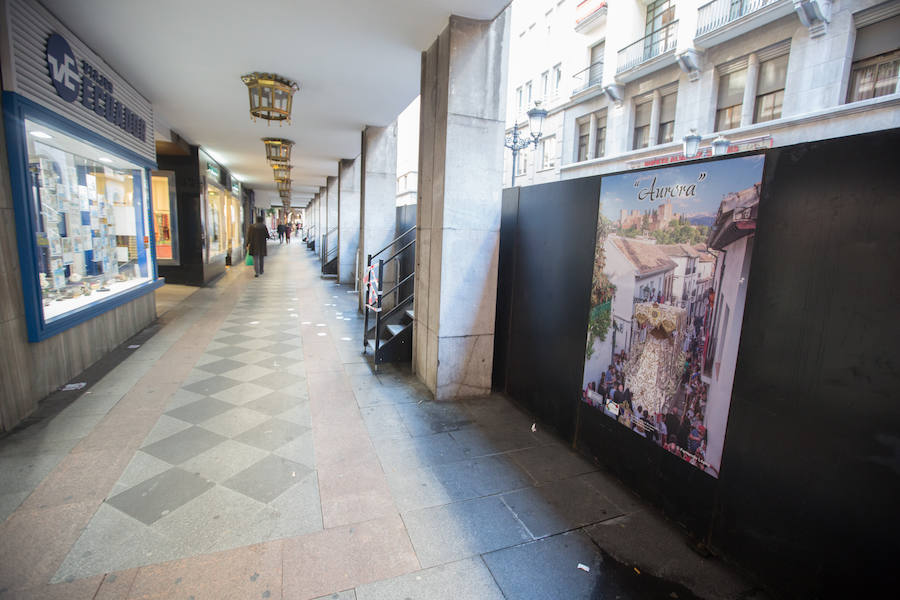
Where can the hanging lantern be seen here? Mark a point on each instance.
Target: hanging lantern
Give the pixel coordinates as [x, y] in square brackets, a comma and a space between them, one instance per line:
[270, 96]
[284, 185]
[278, 150]
[282, 171]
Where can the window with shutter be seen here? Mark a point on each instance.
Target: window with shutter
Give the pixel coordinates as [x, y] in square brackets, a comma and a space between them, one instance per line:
[642, 125]
[770, 89]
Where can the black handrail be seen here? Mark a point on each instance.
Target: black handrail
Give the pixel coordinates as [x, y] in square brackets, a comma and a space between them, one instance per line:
[397, 253]
[404, 280]
[376, 307]
[392, 242]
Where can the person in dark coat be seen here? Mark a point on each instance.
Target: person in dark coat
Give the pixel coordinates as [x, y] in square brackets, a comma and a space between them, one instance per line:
[257, 234]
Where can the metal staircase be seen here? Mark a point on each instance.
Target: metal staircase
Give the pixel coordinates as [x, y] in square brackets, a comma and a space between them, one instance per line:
[330, 249]
[390, 339]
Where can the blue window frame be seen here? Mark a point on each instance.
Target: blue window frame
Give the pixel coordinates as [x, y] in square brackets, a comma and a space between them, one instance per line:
[91, 247]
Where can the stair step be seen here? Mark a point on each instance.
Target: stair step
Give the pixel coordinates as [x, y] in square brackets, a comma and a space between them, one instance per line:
[395, 329]
[411, 314]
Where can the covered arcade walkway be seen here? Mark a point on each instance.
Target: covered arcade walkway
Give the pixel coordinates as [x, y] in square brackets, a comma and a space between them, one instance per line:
[246, 450]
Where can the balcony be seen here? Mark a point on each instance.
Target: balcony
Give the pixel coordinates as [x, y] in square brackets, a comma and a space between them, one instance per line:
[721, 20]
[589, 14]
[587, 78]
[649, 53]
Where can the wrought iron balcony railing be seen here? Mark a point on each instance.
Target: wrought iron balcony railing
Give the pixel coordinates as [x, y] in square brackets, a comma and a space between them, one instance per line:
[585, 78]
[659, 42]
[717, 13]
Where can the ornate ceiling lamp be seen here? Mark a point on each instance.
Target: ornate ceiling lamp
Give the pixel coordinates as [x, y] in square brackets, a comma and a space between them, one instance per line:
[284, 186]
[270, 96]
[282, 171]
[278, 150]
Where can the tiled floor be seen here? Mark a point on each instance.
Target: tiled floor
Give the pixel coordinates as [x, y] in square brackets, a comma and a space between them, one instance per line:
[248, 450]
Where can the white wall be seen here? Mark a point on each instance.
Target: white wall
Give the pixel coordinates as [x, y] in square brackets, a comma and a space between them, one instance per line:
[731, 293]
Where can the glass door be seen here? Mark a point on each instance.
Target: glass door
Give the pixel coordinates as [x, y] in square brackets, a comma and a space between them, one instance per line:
[165, 220]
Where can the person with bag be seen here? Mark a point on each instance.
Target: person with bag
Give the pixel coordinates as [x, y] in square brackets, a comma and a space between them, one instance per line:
[257, 234]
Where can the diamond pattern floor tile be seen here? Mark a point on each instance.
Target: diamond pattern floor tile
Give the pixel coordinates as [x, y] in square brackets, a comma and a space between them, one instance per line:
[268, 478]
[184, 445]
[158, 496]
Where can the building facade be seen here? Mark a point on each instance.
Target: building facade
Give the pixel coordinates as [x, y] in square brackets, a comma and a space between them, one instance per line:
[624, 82]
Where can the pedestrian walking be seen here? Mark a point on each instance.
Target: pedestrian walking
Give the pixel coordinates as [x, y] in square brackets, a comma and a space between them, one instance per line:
[280, 233]
[257, 234]
[287, 234]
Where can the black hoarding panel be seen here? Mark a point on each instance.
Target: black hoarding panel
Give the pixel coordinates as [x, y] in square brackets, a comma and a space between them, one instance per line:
[810, 479]
[549, 297]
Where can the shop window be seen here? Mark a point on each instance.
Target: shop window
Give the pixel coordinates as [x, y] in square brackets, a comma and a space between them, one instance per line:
[584, 134]
[165, 220]
[642, 125]
[600, 142]
[876, 61]
[730, 100]
[89, 221]
[548, 152]
[667, 118]
[770, 89]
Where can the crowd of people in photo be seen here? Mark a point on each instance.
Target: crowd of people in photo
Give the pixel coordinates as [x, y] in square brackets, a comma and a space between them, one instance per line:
[679, 426]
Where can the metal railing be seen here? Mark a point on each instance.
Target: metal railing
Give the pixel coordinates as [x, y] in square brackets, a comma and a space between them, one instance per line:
[659, 42]
[330, 251]
[585, 78]
[717, 13]
[375, 291]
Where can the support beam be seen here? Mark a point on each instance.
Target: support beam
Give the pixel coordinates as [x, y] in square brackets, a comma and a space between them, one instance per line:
[348, 218]
[460, 180]
[378, 200]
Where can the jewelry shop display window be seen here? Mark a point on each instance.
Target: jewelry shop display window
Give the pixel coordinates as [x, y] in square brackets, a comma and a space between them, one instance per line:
[165, 217]
[89, 225]
[82, 223]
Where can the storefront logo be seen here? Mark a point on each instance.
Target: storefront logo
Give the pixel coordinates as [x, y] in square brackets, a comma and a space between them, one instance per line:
[96, 89]
[63, 67]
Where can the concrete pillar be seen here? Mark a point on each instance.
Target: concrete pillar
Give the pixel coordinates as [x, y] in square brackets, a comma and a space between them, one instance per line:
[654, 118]
[331, 216]
[749, 101]
[348, 218]
[378, 200]
[592, 136]
[323, 223]
[460, 179]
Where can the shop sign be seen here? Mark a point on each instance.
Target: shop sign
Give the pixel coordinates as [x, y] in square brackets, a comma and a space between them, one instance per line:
[758, 143]
[213, 170]
[236, 188]
[96, 89]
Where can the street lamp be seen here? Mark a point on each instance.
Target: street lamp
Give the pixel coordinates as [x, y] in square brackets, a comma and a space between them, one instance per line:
[691, 144]
[720, 146]
[515, 142]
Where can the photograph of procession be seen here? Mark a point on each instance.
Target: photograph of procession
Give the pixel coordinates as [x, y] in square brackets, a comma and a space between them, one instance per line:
[671, 265]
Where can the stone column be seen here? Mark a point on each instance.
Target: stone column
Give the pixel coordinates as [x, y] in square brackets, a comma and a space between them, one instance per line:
[323, 222]
[654, 118]
[749, 101]
[331, 214]
[378, 203]
[348, 218]
[592, 136]
[460, 179]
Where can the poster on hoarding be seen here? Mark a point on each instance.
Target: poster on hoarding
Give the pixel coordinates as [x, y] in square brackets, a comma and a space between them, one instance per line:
[671, 265]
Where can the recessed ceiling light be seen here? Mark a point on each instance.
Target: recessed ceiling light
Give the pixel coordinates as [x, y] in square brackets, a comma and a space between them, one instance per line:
[104, 159]
[41, 135]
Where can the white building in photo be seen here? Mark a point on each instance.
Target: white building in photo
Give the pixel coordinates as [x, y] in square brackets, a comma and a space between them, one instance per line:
[625, 81]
